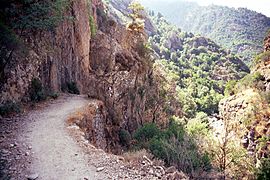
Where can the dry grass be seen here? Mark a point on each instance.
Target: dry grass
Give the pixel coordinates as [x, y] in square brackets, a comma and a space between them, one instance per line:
[136, 157]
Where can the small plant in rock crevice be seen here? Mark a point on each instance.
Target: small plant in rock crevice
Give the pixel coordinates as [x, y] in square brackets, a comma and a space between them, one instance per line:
[71, 87]
[37, 91]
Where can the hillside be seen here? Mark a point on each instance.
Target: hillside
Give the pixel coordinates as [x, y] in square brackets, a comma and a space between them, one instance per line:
[150, 101]
[200, 66]
[190, 61]
[246, 108]
[240, 30]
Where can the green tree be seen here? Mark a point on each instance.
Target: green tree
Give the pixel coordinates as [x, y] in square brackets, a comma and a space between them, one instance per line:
[137, 17]
[263, 172]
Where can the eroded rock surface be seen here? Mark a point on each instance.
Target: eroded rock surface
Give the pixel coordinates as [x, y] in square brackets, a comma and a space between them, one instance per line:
[55, 57]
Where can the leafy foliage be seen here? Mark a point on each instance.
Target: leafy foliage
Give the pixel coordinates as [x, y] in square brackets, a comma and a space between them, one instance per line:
[9, 107]
[173, 145]
[254, 80]
[137, 17]
[263, 57]
[93, 26]
[19, 16]
[37, 91]
[199, 67]
[263, 172]
[240, 30]
[125, 137]
[147, 132]
[33, 14]
[71, 87]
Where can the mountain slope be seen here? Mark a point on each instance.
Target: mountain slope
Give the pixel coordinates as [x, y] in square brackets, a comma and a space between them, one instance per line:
[200, 66]
[240, 30]
[248, 106]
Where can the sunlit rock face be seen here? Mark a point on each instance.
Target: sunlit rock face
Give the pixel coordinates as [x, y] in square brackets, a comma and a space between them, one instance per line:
[267, 43]
[121, 79]
[56, 57]
[249, 110]
[249, 114]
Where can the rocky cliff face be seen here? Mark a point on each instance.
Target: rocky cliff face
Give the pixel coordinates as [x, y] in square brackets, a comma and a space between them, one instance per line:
[267, 43]
[113, 66]
[55, 57]
[121, 78]
[249, 110]
[249, 114]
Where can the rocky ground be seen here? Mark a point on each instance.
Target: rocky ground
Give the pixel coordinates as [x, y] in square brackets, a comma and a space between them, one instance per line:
[39, 145]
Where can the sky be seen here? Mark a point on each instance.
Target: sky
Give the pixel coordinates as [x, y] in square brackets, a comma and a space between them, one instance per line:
[262, 6]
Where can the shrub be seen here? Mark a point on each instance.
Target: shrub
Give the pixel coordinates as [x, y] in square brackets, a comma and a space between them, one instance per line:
[125, 137]
[9, 107]
[175, 130]
[37, 92]
[53, 95]
[263, 171]
[196, 127]
[42, 15]
[71, 87]
[173, 146]
[229, 88]
[250, 81]
[147, 132]
[158, 149]
[265, 56]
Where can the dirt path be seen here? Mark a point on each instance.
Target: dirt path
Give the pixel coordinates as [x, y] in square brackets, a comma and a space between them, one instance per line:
[40, 145]
[56, 154]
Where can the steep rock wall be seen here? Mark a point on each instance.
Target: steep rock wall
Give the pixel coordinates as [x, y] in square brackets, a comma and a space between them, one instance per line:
[54, 57]
[267, 43]
[121, 80]
[113, 66]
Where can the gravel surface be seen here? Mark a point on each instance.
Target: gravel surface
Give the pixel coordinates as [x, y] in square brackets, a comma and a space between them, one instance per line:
[38, 145]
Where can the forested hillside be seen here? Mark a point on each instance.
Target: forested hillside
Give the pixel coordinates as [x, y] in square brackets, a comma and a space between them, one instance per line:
[200, 67]
[240, 30]
[150, 100]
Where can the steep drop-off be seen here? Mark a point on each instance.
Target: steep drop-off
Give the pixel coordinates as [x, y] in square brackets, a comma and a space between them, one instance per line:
[248, 107]
[105, 60]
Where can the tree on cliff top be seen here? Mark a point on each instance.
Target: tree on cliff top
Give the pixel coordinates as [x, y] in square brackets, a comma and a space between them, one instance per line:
[137, 17]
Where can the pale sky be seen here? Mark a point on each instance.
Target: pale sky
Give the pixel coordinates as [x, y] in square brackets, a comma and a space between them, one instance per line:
[262, 6]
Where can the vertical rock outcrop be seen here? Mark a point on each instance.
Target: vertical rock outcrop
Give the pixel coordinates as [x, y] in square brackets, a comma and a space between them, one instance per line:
[112, 65]
[249, 110]
[56, 57]
[267, 43]
[121, 79]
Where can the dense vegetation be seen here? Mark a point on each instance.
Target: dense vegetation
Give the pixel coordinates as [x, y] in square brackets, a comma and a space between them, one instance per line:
[199, 67]
[240, 30]
[174, 145]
